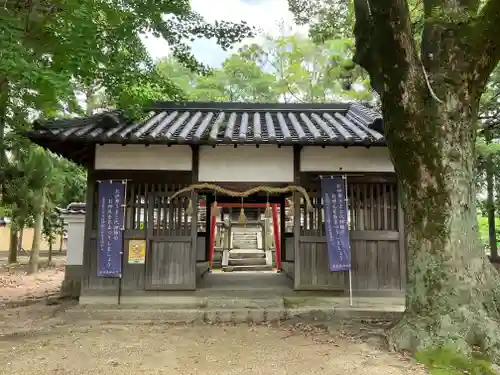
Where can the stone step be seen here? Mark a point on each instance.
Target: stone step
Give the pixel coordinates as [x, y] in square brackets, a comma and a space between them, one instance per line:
[247, 261]
[245, 245]
[244, 240]
[248, 228]
[149, 314]
[246, 253]
[247, 268]
[244, 303]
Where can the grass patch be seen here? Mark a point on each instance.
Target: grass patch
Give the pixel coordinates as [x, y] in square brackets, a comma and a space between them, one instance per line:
[448, 361]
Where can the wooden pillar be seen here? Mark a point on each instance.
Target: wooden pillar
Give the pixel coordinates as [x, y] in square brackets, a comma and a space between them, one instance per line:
[296, 215]
[94, 289]
[89, 215]
[194, 216]
[283, 228]
[208, 225]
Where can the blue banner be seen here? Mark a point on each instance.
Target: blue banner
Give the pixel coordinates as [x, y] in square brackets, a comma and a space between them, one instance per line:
[333, 191]
[110, 228]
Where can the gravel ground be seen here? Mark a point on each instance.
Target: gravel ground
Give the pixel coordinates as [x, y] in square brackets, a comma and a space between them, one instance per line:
[37, 339]
[49, 347]
[17, 287]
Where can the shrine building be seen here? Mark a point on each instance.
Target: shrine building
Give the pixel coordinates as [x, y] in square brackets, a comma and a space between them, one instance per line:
[168, 198]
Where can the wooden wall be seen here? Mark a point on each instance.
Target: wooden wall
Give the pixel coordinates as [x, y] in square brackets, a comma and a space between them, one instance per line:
[376, 232]
[150, 215]
[176, 248]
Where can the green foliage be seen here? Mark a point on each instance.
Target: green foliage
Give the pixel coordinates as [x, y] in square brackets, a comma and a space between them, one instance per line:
[329, 19]
[332, 19]
[98, 42]
[290, 68]
[483, 228]
[448, 361]
[309, 72]
[5, 211]
[239, 79]
[53, 55]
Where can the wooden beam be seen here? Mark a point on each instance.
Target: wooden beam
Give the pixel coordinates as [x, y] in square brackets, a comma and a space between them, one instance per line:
[194, 199]
[89, 215]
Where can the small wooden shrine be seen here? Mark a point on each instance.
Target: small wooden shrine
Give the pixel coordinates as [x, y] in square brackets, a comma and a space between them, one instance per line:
[148, 179]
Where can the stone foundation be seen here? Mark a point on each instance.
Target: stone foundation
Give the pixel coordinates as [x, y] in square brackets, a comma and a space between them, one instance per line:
[259, 308]
[72, 282]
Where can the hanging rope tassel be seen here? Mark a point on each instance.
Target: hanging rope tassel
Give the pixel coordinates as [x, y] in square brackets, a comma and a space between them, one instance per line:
[268, 213]
[189, 209]
[214, 211]
[242, 219]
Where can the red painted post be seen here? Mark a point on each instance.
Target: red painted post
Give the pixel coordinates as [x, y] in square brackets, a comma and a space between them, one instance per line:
[213, 224]
[277, 236]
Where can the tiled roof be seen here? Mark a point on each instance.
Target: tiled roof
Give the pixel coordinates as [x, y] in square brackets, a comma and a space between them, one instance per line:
[225, 123]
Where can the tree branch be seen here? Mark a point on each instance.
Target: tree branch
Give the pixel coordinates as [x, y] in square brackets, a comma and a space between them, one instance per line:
[486, 41]
[385, 46]
[366, 48]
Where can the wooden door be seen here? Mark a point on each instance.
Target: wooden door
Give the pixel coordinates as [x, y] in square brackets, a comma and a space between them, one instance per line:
[171, 260]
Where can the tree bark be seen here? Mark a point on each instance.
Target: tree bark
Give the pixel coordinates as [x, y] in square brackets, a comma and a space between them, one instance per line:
[4, 100]
[61, 241]
[14, 243]
[429, 103]
[452, 288]
[21, 235]
[490, 201]
[37, 236]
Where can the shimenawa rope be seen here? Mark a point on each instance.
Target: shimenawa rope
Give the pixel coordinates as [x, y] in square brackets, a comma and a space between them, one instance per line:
[245, 193]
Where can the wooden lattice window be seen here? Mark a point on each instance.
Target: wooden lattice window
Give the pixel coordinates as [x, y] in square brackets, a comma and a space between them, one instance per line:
[372, 207]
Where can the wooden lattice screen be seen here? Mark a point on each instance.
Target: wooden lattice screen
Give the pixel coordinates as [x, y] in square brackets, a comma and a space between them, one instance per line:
[372, 207]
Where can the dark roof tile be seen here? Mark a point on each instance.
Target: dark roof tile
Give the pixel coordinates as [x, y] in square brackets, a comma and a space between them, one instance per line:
[219, 123]
[74, 208]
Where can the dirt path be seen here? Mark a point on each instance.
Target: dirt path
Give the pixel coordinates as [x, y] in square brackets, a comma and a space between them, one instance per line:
[50, 346]
[16, 287]
[37, 339]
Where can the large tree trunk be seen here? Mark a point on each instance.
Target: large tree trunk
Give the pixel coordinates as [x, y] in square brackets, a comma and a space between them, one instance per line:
[37, 236]
[14, 243]
[452, 289]
[429, 101]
